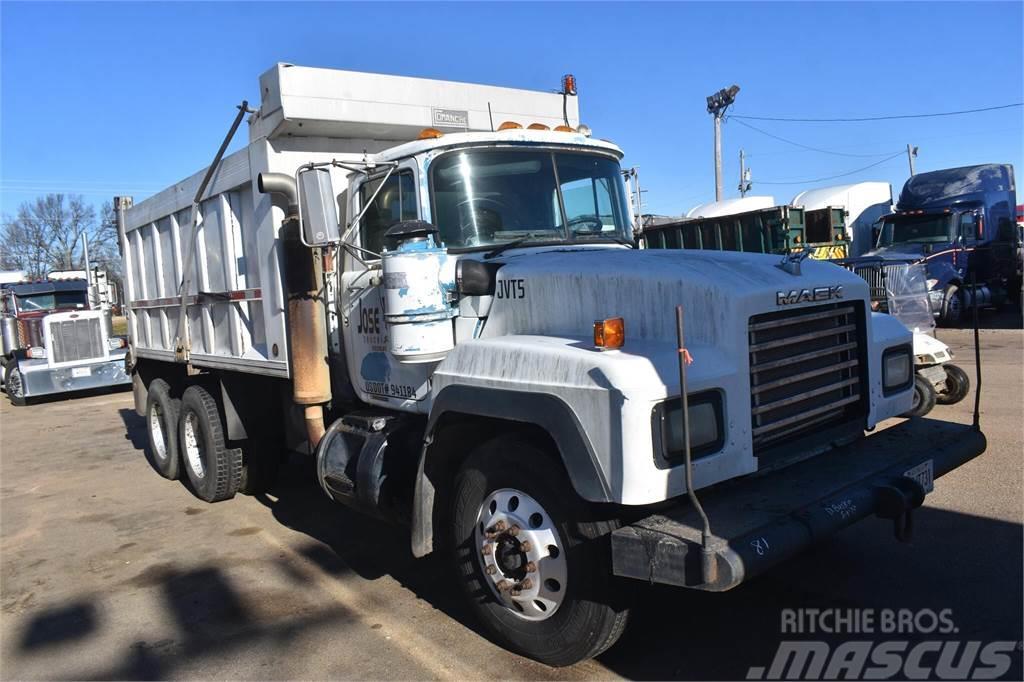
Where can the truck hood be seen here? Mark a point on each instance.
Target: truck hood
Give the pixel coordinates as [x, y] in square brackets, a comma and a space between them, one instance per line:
[895, 252]
[562, 291]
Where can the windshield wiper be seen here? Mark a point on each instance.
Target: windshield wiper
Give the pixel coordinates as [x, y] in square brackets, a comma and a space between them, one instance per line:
[507, 245]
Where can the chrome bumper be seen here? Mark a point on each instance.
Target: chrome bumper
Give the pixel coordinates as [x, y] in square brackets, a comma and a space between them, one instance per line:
[41, 379]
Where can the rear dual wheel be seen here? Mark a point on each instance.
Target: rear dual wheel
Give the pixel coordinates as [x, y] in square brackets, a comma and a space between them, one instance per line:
[533, 559]
[213, 469]
[162, 410]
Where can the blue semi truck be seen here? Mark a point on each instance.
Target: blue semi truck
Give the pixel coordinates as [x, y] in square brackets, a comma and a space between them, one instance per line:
[960, 223]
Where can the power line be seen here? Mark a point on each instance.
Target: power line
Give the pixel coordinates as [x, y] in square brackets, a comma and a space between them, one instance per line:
[876, 118]
[808, 147]
[831, 177]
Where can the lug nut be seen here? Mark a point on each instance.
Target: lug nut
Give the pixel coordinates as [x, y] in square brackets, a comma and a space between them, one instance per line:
[525, 546]
[500, 526]
[513, 530]
[491, 569]
[531, 567]
[487, 549]
[504, 585]
[526, 585]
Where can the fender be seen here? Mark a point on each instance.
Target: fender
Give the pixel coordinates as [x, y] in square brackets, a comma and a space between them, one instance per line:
[543, 410]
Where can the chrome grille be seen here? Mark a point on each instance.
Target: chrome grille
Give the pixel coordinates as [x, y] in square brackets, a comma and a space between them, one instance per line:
[73, 340]
[881, 279]
[805, 369]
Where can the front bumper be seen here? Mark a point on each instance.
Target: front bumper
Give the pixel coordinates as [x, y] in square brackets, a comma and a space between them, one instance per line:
[41, 379]
[761, 520]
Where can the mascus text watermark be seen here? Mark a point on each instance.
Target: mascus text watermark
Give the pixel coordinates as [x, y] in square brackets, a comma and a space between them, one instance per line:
[883, 644]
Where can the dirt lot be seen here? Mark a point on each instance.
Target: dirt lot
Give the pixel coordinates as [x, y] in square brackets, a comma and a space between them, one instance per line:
[109, 571]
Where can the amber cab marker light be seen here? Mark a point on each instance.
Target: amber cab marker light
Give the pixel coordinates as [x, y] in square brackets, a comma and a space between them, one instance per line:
[509, 125]
[430, 134]
[538, 126]
[610, 334]
[564, 129]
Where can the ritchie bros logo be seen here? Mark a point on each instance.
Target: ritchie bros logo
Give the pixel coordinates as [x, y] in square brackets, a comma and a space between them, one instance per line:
[865, 656]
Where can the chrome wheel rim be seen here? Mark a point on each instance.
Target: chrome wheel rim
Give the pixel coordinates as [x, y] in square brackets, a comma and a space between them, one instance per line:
[521, 554]
[156, 432]
[192, 451]
[14, 387]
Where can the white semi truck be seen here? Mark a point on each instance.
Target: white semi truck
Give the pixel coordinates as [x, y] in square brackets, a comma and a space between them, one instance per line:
[430, 288]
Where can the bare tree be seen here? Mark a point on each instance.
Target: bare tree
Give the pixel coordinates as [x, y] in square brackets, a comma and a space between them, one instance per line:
[46, 234]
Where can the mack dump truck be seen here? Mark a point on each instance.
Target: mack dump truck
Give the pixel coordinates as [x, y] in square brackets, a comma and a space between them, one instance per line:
[431, 289]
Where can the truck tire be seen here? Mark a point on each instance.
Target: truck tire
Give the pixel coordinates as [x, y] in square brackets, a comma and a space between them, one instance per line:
[214, 470]
[952, 307]
[924, 398]
[162, 412]
[14, 384]
[539, 577]
[957, 385]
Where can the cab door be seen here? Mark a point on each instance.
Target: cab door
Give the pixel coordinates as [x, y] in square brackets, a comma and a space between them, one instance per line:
[375, 374]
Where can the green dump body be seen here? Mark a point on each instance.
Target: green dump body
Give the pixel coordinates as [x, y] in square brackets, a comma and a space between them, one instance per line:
[779, 230]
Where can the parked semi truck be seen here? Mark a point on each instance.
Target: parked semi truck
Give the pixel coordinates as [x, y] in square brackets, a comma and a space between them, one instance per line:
[431, 289]
[960, 223]
[55, 342]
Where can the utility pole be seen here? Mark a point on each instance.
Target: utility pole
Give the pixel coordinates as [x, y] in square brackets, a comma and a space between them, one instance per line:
[911, 155]
[744, 175]
[717, 104]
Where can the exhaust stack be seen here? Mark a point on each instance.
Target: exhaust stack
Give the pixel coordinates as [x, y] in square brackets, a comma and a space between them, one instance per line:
[307, 330]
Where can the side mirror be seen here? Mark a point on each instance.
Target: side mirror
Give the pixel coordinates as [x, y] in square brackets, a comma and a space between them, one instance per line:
[319, 210]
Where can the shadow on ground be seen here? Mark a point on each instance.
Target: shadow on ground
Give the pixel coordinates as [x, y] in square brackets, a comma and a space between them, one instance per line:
[968, 564]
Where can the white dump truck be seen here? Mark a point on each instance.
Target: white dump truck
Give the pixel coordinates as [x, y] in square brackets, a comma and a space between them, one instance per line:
[431, 288]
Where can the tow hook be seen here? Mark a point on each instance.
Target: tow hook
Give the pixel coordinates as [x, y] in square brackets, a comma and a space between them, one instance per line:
[897, 501]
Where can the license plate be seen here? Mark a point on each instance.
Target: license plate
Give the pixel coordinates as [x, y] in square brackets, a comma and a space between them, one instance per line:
[81, 371]
[923, 474]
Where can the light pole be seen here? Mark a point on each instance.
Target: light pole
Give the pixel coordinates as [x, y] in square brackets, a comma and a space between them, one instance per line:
[744, 175]
[717, 104]
[911, 155]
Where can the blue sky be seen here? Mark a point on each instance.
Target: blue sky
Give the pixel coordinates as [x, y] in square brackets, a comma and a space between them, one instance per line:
[112, 98]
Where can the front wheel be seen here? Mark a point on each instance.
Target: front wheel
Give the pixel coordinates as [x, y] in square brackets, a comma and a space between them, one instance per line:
[534, 561]
[952, 307]
[14, 384]
[924, 398]
[957, 385]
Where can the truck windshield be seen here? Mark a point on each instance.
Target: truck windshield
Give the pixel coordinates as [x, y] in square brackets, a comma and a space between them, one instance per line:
[60, 299]
[918, 229]
[483, 198]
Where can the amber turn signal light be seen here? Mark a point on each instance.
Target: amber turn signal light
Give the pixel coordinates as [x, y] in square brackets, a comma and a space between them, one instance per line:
[430, 134]
[509, 125]
[610, 334]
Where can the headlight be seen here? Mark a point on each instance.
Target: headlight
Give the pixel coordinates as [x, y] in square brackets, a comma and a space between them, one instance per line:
[705, 419]
[116, 342]
[36, 352]
[897, 369]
